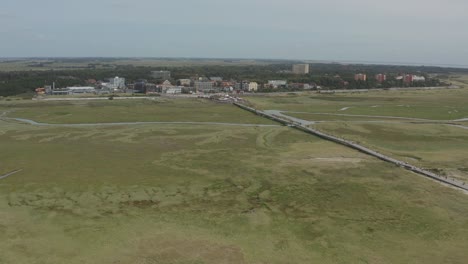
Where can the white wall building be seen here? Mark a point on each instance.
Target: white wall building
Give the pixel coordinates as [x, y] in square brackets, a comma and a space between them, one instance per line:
[80, 90]
[174, 90]
[185, 82]
[114, 83]
[253, 87]
[277, 83]
[117, 82]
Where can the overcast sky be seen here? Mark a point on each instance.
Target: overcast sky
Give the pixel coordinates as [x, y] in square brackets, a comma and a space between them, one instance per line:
[410, 31]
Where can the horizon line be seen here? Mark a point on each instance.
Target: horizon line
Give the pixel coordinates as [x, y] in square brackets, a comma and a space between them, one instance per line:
[355, 62]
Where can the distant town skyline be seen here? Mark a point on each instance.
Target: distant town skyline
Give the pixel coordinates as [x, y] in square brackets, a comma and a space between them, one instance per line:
[427, 32]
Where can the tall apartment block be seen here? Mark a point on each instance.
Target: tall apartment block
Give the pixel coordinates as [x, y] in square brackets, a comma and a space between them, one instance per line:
[300, 68]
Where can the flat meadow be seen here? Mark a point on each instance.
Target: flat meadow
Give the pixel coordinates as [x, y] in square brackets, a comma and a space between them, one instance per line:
[136, 110]
[440, 148]
[207, 193]
[416, 126]
[440, 104]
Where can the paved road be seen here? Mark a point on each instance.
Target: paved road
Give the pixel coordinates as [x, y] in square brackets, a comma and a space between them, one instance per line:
[34, 123]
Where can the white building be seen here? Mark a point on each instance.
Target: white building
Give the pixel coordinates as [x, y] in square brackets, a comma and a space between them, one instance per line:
[277, 83]
[253, 87]
[117, 82]
[166, 85]
[174, 90]
[417, 78]
[114, 83]
[80, 90]
[185, 82]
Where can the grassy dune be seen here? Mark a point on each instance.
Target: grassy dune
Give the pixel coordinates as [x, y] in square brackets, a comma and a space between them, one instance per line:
[214, 194]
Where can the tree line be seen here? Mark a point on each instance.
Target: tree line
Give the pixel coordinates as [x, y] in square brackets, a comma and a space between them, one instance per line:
[332, 76]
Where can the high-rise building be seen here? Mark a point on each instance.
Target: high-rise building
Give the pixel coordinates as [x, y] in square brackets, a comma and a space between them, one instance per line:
[360, 77]
[300, 68]
[201, 86]
[117, 83]
[242, 86]
[380, 78]
[161, 75]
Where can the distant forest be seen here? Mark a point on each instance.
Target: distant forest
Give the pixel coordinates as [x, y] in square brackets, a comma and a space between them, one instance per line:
[331, 76]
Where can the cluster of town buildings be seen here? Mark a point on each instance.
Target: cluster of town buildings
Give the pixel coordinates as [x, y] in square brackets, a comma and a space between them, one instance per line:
[380, 78]
[191, 85]
[161, 84]
[164, 85]
[111, 85]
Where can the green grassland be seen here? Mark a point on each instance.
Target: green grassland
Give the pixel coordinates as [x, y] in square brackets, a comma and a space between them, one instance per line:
[210, 194]
[429, 104]
[207, 194]
[458, 79]
[439, 147]
[108, 111]
[367, 118]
